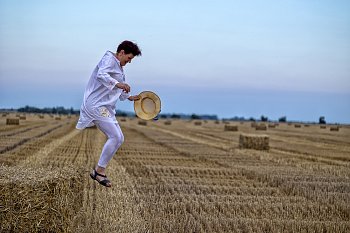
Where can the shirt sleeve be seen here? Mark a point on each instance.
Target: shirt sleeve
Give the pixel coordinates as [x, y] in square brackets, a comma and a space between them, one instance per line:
[123, 96]
[105, 67]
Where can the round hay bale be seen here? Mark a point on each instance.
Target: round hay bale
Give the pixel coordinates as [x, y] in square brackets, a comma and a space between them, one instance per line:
[323, 126]
[197, 123]
[272, 125]
[231, 128]
[217, 122]
[58, 118]
[167, 122]
[297, 125]
[252, 141]
[253, 124]
[12, 121]
[122, 119]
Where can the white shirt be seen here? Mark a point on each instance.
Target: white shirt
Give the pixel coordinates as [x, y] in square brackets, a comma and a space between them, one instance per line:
[101, 93]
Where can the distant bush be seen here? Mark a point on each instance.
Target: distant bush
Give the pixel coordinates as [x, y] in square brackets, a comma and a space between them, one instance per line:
[54, 110]
[264, 118]
[121, 114]
[322, 120]
[282, 119]
[163, 116]
[195, 117]
[175, 116]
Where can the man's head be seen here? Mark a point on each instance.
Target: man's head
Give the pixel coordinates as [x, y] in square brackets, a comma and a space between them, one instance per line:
[126, 51]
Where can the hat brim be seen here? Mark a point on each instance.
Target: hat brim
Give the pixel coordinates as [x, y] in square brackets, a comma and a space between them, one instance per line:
[148, 106]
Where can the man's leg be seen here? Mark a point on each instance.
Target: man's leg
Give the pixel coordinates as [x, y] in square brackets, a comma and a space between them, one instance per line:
[115, 139]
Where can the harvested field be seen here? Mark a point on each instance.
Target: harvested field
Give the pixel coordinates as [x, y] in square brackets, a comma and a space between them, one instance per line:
[178, 177]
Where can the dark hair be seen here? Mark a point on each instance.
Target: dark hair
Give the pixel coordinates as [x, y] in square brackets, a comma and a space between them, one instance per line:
[129, 47]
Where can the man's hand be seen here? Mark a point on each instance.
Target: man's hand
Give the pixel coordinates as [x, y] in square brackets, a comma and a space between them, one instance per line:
[124, 86]
[134, 98]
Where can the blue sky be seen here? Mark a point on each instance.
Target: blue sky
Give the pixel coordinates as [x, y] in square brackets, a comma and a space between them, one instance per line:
[230, 58]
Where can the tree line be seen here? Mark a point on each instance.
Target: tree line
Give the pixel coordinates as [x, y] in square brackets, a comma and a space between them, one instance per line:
[67, 111]
[53, 110]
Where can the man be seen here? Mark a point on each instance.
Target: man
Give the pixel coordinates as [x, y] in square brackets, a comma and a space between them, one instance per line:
[107, 85]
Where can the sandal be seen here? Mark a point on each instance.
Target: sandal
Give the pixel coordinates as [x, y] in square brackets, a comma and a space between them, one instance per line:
[104, 182]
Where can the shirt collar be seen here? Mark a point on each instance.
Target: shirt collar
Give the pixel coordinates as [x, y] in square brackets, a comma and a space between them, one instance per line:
[116, 59]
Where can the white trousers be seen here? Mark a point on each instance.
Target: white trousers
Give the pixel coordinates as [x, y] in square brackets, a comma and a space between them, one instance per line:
[115, 139]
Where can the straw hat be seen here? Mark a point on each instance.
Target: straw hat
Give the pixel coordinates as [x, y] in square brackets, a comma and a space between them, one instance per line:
[148, 106]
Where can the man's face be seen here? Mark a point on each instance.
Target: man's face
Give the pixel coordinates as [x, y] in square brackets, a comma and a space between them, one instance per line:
[125, 58]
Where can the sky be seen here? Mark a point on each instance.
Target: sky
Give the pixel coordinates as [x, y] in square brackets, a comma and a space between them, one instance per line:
[230, 58]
